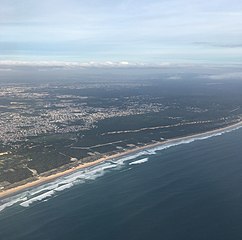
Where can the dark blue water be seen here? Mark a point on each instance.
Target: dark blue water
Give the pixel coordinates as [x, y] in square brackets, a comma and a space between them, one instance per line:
[191, 191]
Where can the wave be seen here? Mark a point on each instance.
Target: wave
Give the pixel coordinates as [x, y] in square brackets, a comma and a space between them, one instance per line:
[38, 198]
[139, 161]
[64, 187]
[10, 202]
[46, 191]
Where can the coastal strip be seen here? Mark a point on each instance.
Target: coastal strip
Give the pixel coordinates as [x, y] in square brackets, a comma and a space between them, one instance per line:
[46, 179]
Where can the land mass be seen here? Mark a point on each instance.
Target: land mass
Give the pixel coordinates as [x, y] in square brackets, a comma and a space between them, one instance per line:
[50, 128]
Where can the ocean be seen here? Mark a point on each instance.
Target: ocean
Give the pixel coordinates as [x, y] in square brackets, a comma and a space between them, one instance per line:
[191, 190]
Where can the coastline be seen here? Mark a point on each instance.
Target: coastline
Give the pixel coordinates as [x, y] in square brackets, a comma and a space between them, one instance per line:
[42, 180]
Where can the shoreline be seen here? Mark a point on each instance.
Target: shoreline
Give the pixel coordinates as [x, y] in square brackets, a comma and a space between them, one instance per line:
[42, 180]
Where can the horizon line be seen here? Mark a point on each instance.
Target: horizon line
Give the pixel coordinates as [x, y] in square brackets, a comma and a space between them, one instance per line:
[108, 64]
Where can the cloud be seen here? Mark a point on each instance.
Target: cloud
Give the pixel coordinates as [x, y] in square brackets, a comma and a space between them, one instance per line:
[219, 45]
[5, 69]
[175, 78]
[224, 76]
[70, 65]
[5, 63]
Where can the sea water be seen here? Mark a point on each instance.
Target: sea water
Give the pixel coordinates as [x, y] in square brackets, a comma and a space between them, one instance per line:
[187, 190]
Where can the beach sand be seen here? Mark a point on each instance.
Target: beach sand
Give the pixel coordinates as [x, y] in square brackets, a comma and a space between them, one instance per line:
[42, 180]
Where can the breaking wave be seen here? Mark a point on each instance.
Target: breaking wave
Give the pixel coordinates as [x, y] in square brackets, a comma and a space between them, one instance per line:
[139, 161]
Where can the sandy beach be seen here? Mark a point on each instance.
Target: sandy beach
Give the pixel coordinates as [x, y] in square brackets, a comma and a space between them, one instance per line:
[42, 180]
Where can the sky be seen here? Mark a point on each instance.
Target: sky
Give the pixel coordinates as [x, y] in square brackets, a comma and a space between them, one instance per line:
[124, 31]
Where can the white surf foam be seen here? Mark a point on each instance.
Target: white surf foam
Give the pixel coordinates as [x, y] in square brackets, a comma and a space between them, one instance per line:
[63, 187]
[44, 188]
[46, 191]
[12, 202]
[139, 161]
[97, 171]
[38, 198]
